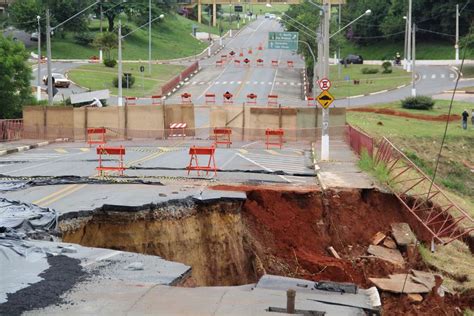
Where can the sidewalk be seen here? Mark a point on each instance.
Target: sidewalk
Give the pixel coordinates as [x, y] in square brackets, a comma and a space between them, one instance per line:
[25, 144]
[341, 171]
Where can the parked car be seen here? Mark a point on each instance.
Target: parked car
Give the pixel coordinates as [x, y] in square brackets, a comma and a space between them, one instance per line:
[272, 16]
[60, 81]
[352, 59]
[267, 15]
[34, 37]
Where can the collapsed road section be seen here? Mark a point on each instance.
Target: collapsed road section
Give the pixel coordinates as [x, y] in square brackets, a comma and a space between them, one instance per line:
[230, 236]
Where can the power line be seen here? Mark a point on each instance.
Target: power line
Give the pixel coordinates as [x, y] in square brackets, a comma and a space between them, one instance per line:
[380, 36]
[439, 33]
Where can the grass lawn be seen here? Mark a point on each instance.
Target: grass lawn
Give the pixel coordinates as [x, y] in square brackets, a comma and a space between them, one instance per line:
[275, 9]
[421, 140]
[97, 77]
[468, 71]
[170, 39]
[386, 50]
[440, 107]
[368, 82]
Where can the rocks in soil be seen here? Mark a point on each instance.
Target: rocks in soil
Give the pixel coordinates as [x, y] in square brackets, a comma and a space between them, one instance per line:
[415, 297]
[378, 237]
[391, 255]
[403, 234]
[389, 243]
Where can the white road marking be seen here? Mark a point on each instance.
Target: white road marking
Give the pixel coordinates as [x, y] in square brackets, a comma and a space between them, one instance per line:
[423, 77]
[451, 75]
[255, 82]
[224, 82]
[262, 82]
[239, 82]
[193, 83]
[442, 76]
[284, 83]
[433, 76]
[247, 82]
[292, 83]
[232, 82]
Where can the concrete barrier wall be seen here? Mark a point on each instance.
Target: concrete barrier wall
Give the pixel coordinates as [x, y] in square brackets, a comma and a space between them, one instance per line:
[251, 122]
[140, 121]
[151, 121]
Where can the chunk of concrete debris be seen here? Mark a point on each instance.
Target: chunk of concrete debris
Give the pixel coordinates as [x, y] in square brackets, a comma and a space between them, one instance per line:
[162, 194]
[389, 243]
[415, 297]
[403, 234]
[333, 252]
[391, 255]
[68, 249]
[399, 283]
[378, 237]
[135, 266]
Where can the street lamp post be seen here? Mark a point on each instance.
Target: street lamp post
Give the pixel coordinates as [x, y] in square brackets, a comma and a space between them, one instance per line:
[49, 30]
[38, 84]
[120, 38]
[413, 75]
[405, 43]
[149, 37]
[409, 34]
[456, 46]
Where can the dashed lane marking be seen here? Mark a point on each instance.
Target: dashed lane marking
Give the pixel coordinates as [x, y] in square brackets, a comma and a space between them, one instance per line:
[60, 150]
[84, 149]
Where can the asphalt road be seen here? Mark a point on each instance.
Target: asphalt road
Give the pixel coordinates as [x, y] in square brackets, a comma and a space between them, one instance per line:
[57, 67]
[163, 161]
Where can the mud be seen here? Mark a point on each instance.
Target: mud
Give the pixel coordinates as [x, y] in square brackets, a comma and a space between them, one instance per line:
[276, 230]
[434, 118]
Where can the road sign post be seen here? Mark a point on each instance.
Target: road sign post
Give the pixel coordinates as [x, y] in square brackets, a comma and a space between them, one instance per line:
[283, 40]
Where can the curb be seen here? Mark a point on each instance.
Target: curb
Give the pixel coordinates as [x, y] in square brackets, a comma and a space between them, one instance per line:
[32, 146]
[317, 169]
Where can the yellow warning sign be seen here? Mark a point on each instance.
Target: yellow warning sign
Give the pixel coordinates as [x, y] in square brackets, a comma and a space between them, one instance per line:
[325, 99]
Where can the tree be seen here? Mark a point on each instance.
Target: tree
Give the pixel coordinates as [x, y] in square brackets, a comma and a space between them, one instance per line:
[107, 41]
[15, 75]
[110, 10]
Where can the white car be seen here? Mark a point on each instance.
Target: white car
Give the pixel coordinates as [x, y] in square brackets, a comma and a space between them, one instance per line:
[60, 81]
[272, 16]
[267, 15]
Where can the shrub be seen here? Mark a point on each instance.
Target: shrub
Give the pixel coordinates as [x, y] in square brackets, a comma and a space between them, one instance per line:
[84, 39]
[110, 63]
[131, 81]
[387, 67]
[369, 71]
[418, 103]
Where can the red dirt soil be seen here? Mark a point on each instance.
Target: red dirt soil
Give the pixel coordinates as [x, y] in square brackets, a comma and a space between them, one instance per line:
[289, 232]
[434, 118]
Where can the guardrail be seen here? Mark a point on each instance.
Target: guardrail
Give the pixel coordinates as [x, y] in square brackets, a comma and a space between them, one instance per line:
[11, 129]
[359, 140]
[173, 84]
[440, 215]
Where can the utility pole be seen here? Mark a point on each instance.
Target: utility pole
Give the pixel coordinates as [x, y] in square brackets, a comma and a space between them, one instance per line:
[339, 46]
[456, 46]
[48, 53]
[119, 79]
[405, 43]
[409, 34]
[101, 17]
[413, 74]
[149, 37]
[38, 87]
[325, 74]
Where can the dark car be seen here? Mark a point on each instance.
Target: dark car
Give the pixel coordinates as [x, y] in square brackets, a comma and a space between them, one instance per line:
[352, 59]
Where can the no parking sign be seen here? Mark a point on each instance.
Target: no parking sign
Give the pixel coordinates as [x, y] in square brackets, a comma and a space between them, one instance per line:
[325, 84]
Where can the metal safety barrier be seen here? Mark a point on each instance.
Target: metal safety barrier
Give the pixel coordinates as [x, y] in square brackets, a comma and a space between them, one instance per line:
[440, 215]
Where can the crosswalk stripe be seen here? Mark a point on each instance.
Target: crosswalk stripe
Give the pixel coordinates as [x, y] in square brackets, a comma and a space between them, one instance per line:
[61, 150]
[84, 149]
[433, 76]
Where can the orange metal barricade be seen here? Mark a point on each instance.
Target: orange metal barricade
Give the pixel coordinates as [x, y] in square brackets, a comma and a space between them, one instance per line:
[274, 133]
[156, 99]
[228, 98]
[274, 63]
[222, 136]
[272, 99]
[210, 98]
[290, 64]
[194, 152]
[311, 101]
[251, 98]
[100, 132]
[260, 62]
[186, 98]
[111, 151]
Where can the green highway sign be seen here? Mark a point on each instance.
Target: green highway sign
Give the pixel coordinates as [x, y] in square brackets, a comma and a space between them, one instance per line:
[283, 40]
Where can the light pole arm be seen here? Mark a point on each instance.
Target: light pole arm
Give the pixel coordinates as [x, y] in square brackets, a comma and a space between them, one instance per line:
[320, 7]
[75, 15]
[299, 23]
[346, 26]
[301, 30]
